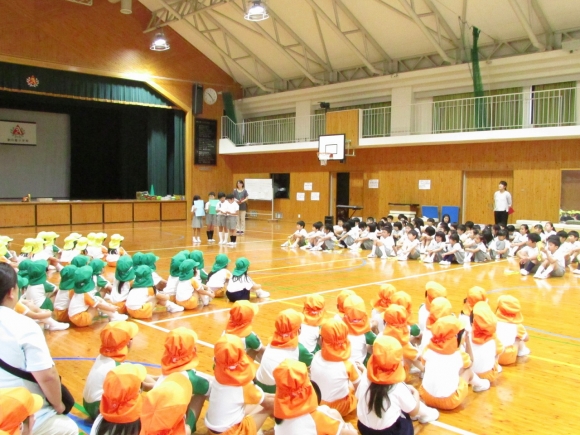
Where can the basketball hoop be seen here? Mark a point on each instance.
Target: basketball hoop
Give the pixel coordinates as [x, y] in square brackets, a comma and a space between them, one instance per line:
[324, 158]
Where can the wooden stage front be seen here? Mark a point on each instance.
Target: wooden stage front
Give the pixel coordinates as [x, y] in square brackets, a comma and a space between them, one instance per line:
[536, 396]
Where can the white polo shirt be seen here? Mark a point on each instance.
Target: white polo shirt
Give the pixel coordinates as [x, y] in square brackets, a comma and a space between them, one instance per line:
[332, 377]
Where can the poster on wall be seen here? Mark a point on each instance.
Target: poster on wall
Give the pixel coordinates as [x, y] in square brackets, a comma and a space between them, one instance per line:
[373, 184]
[18, 133]
[424, 184]
[205, 152]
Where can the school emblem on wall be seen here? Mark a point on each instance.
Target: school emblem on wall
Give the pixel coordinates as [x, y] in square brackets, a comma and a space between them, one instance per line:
[18, 131]
[32, 81]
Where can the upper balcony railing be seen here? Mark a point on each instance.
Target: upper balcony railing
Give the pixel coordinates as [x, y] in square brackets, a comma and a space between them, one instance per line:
[273, 131]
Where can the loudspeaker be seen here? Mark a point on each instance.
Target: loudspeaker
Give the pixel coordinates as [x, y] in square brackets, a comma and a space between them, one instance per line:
[197, 99]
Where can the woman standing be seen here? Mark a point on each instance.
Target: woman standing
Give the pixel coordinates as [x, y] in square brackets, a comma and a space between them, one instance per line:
[241, 197]
[502, 202]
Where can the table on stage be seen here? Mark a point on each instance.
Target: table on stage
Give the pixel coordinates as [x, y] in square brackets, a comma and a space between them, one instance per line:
[345, 212]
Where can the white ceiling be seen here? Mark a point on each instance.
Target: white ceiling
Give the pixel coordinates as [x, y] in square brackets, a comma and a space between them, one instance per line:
[314, 42]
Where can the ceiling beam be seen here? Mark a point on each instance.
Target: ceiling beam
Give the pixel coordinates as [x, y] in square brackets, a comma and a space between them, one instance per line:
[426, 32]
[526, 25]
[444, 23]
[172, 13]
[544, 22]
[343, 37]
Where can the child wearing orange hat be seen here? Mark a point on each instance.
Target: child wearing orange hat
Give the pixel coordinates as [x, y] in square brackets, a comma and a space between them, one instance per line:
[240, 324]
[485, 345]
[397, 326]
[510, 330]
[313, 317]
[474, 295]
[233, 393]
[331, 370]
[447, 368]
[121, 405]
[17, 409]
[385, 402]
[296, 407]
[357, 322]
[180, 356]
[116, 339]
[340, 302]
[284, 345]
[440, 307]
[380, 304]
[165, 408]
[432, 290]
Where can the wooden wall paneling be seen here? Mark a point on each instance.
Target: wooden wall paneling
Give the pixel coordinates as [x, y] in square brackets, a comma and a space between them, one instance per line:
[344, 122]
[52, 214]
[537, 194]
[17, 215]
[86, 213]
[173, 211]
[118, 212]
[146, 211]
[570, 198]
[479, 189]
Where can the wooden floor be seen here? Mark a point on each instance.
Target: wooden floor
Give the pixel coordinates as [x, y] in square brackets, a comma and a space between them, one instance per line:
[536, 396]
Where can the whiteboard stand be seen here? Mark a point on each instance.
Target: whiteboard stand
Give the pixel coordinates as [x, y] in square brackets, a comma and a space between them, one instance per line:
[261, 190]
[270, 215]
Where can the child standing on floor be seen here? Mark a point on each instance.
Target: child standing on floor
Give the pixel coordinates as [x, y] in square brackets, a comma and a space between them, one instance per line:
[240, 286]
[357, 322]
[331, 370]
[219, 276]
[380, 304]
[298, 237]
[313, 317]
[486, 347]
[221, 210]
[232, 210]
[240, 324]
[210, 216]
[510, 330]
[196, 219]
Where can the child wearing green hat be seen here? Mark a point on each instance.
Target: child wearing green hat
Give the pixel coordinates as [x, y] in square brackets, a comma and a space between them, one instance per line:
[64, 293]
[190, 291]
[200, 273]
[84, 303]
[124, 276]
[173, 279]
[241, 284]
[103, 285]
[38, 286]
[143, 297]
[219, 276]
[150, 259]
[43, 317]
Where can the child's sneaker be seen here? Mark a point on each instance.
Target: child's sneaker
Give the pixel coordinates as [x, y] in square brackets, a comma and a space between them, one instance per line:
[427, 260]
[525, 351]
[524, 272]
[479, 384]
[371, 256]
[444, 263]
[429, 415]
[172, 307]
[294, 245]
[116, 317]
[316, 248]
[205, 299]
[285, 244]
[262, 294]
[53, 325]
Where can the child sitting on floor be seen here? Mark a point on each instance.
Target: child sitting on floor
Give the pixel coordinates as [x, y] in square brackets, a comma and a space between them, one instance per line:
[240, 324]
[510, 330]
[190, 291]
[220, 276]
[380, 304]
[485, 345]
[298, 238]
[240, 286]
[313, 317]
[357, 322]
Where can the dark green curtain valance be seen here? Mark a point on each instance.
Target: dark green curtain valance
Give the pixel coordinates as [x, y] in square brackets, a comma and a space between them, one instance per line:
[26, 78]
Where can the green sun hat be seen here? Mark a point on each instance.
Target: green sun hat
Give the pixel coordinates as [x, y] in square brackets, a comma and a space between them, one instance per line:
[175, 263]
[242, 265]
[184, 252]
[23, 267]
[67, 278]
[150, 259]
[22, 282]
[143, 277]
[124, 271]
[37, 272]
[80, 261]
[197, 255]
[186, 269]
[138, 259]
[84, 280]
[221, 262]
[97, 265]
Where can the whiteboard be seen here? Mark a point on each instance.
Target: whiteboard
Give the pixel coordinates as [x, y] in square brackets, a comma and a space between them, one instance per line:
[261, 189]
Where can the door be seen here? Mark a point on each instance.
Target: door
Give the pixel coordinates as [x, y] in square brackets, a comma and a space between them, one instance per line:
[478, 190]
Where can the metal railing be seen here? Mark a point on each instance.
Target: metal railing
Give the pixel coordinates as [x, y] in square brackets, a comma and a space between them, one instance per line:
[273, 131]
[546, 108]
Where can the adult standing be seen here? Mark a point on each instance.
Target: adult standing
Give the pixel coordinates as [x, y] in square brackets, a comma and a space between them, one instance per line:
[241, 198]
[502, 202]
[23, 346]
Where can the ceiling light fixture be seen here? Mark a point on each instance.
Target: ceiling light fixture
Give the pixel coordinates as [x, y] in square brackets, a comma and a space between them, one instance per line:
[257, 12]
[159, 42]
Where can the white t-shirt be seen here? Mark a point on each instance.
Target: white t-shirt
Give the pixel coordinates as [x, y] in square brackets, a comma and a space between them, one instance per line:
[400, 399]
[322, 420]
[220, 208]
[185, 289]
[379, 319]
[93, 391]
[483, 356]
[119, 295]
[309, 336]
[300, 233]
[218, 279]
[271, 359]
[507, 333]
[358, 345]
[423, 316]
[22, 345]
[36, 294]
[227, 404]
[243, 283]
[441, 377]
[560, 257]
[81, 302]
[333, 377]
[138, 297]
[502, 201]
[62, 300]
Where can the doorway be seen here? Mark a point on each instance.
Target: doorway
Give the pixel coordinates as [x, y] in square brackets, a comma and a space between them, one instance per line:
[349, 191]
[478, 190]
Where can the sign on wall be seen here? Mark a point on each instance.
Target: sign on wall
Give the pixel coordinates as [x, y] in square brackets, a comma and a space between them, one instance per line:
[205, 150]
[18, 133]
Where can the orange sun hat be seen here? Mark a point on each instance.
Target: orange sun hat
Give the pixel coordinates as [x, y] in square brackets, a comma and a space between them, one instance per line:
[356, 317]
[287, 325]
[335, 343]
[121, 402]
[433, 290]
[232, 365]
[397, 323]
[484, 323]
[295, 395]
[241, 316]
[16, 405]
[314, 310]
[404, 299]
[474, 295]
[385, 365]
[180, 351]
[445, 330]
[341, 298]
[384, 298]
[440, 307]
[165, 406]
[115, 338]
[509, 310]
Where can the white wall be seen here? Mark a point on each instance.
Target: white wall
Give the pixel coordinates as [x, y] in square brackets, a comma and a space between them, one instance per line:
[42, 170]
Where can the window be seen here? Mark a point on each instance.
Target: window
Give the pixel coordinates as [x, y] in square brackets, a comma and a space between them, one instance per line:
[281, 183]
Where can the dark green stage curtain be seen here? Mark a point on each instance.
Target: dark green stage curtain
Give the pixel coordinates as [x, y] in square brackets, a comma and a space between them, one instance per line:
[44, 80]
[157, 151]
[178, 171]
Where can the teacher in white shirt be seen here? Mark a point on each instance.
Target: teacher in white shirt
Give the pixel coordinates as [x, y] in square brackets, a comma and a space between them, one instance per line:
[502, 201]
